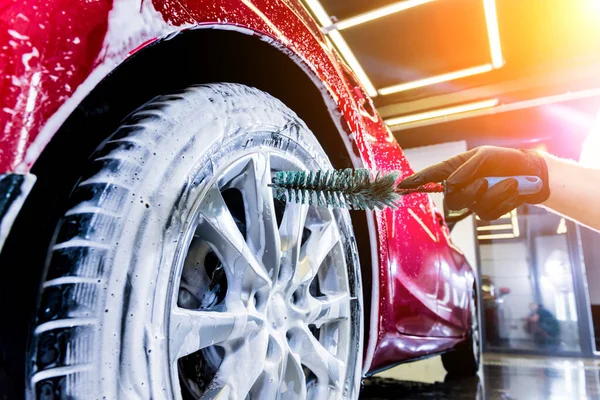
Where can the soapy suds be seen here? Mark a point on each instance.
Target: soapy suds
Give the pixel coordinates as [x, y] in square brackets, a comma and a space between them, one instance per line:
[129, 24]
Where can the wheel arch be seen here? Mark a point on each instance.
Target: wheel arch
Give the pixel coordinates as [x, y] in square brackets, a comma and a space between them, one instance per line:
[193, 56]
[197, 56]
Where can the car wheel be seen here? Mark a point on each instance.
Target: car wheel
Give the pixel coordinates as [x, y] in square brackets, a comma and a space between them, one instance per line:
[176, 274]
[464, 360]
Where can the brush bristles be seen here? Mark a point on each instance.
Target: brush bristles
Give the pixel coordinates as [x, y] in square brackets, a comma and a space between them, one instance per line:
[348, 188]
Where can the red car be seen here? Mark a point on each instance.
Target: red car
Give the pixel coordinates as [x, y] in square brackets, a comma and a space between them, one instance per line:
[139, 139]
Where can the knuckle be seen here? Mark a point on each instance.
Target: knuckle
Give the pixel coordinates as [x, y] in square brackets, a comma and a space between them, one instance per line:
[486, 149]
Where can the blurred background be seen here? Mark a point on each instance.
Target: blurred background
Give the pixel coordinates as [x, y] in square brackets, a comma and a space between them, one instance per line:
[451, 75]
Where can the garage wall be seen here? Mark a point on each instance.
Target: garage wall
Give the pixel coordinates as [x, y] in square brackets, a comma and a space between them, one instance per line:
[463, 234]
[591, 253]
[508, 266]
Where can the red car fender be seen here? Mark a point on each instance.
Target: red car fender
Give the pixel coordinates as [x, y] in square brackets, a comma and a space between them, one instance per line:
[53, 53]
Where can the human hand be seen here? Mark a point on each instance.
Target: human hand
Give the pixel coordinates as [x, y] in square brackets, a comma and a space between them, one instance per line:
[466, 187]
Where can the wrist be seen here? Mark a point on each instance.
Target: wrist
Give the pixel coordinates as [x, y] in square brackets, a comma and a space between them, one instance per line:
[539, 164]
[553, 167]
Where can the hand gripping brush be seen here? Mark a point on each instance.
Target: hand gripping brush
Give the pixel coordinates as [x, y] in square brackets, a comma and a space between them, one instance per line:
[361, 189]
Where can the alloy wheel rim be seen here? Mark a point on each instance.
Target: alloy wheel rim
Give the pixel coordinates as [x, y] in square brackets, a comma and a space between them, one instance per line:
[276, 316]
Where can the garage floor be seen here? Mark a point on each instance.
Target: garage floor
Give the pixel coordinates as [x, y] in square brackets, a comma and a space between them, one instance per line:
[502, 377]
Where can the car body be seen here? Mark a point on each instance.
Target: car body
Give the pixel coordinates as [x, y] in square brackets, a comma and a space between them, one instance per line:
[56, 56]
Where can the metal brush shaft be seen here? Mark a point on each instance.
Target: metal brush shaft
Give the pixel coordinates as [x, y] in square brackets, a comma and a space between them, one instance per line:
[426, 188]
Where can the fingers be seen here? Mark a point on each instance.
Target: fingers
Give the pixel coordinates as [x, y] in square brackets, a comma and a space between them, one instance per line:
[437, 172]
[457, 199]
[488, 204]
[498, 200]
[501, 209]
[476, 166]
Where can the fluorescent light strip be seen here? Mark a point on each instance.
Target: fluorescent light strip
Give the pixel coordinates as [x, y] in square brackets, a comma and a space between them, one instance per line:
[348, 55]
[436, 79]
[325, 20]
[379, 13]
[519, 105]
[507, 215]
[442, 112]
[562, 226]
[494, 227]
[491, 19]
[496, 236]
[319, 12]
[515, 223]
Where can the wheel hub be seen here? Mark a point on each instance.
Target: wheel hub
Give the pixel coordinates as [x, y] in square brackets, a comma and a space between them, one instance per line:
[266, 258]
[277, 311]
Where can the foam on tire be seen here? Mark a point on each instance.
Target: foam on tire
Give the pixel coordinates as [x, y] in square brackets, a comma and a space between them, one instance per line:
[66, 355]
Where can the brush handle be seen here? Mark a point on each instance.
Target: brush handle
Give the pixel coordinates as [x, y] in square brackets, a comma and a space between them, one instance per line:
[528, 184]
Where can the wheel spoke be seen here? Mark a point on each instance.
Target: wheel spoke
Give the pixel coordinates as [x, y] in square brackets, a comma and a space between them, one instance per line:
[329, 308]
[315, 391]
[327, 368]
[293, 382]
[242, 364]
[261, 220]
[218, 227]
[192, 330]
[322, 239]
[268, 384]
[290, 232]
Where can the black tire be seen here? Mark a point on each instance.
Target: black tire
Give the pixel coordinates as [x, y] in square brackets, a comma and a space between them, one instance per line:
[465, 358]
[109, 250]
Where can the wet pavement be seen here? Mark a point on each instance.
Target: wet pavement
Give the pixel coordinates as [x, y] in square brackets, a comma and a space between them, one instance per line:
[501, 378]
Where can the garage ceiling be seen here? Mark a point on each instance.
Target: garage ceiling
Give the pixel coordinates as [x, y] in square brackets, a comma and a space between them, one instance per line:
[430, 61]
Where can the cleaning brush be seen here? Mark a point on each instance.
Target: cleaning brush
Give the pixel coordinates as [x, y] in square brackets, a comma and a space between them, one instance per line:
[357, 189]
[361, 189]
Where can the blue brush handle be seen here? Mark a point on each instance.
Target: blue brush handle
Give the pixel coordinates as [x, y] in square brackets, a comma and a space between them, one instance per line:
[528, 184]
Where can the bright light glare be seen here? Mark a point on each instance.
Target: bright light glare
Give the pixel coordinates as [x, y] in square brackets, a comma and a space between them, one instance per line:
[436, 79]
[348, 55]
[591, 146]
[498, 227]
[491, 19]
[554, 267]
[378, 13]
[442, 112]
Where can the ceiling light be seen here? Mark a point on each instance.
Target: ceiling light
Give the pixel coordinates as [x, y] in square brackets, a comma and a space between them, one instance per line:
[496, 236]
[491, 19]
[325, 20]
[379, 13]
[348, 55]
[519, 105]
[442, 112]
[515, 222]
[494, 227]
[436, 79]
[507, 215]
[562, 227]
[319, 12]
